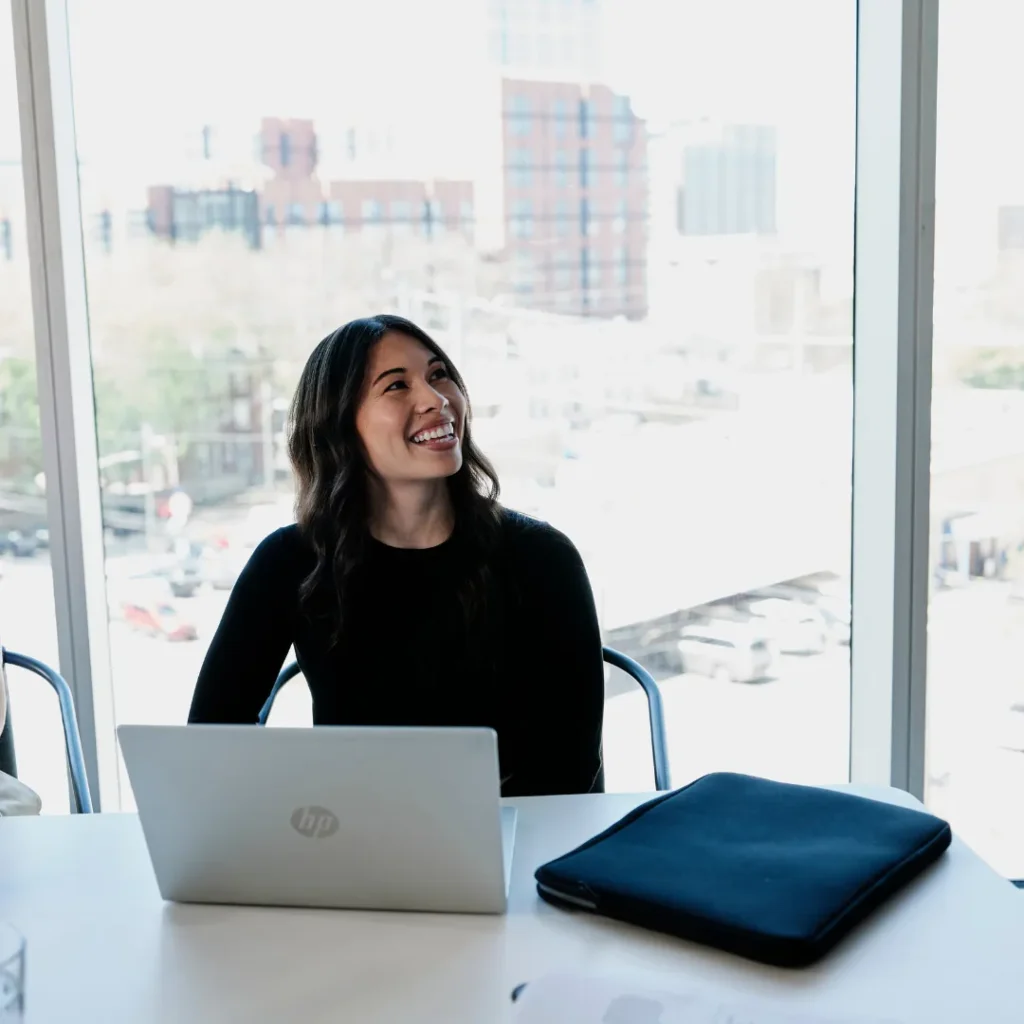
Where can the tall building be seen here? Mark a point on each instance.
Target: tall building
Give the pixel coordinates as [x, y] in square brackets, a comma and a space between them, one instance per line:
[729, 182]
[552, 38]
[575, 198]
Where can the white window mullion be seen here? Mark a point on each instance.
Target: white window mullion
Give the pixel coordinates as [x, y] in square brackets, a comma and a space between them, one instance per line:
[897, 46]
[64, 369]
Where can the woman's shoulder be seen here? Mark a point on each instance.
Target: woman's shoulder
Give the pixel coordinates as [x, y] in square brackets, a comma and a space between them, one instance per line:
[284, 540]
[535, 540]
[285, 552]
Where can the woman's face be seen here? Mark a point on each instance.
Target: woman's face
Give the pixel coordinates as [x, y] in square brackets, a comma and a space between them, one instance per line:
[411, 417]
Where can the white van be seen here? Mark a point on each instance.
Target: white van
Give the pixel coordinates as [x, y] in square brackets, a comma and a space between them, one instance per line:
[730, 651]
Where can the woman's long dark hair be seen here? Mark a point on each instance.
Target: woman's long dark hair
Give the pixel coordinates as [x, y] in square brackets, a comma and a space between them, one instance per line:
[333, 503]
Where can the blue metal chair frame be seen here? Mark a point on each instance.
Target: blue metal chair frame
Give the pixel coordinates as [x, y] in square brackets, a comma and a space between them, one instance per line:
[655, 710]
[72, 739]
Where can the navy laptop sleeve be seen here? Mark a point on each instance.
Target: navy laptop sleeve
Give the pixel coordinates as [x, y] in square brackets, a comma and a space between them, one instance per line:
[768, 870]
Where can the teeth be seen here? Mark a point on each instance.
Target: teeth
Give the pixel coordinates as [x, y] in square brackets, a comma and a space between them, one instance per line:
[432, 435]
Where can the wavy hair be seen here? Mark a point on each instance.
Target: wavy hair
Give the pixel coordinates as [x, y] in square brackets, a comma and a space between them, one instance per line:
[332, 472]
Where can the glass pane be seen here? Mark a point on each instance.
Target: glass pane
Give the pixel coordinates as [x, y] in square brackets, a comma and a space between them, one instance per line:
[27, 623]
[666, 378]
[975, 738]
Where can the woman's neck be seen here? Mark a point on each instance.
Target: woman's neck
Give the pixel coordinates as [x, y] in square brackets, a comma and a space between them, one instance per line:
[413, 516]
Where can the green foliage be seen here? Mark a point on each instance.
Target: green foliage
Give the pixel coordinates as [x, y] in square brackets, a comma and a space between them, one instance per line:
[162, 383]
[19, 406]
[1001, 369]
[21, 448]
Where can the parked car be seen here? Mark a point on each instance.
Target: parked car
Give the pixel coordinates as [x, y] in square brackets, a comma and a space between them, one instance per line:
[654, 645]
[796, 627]
[832, 602]
[19, 543]
[159, 620]
[726, 650]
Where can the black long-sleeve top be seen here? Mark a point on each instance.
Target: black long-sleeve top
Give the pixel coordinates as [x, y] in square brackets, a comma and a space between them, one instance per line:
[404, 654]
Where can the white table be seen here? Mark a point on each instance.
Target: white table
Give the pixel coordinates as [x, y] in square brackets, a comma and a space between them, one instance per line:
[103, 947]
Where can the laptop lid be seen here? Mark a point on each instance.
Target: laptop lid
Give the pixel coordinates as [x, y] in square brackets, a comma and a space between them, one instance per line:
[361, 818]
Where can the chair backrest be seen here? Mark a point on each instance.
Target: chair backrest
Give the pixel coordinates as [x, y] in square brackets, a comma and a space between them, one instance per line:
[655, 710]
[655, 713]
[8, 762]
[69, 720]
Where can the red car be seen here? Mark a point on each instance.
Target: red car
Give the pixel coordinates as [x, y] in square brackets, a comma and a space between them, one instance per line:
[159, 620]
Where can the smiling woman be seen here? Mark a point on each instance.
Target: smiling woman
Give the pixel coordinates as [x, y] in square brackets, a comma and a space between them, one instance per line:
[407, 410]
[368, 390]
[410, 595]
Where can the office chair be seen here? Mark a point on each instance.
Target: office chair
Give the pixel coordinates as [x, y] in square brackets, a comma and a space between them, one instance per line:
[655, 713]
[72, 739]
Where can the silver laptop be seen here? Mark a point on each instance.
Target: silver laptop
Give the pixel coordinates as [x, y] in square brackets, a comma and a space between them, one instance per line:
[360, 818]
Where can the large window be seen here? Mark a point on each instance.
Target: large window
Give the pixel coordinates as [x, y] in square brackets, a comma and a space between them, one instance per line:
[687, 423]
[975, 739]
[26, 586]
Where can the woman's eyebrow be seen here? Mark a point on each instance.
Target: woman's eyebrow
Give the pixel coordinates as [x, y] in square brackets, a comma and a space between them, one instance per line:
[386, 373]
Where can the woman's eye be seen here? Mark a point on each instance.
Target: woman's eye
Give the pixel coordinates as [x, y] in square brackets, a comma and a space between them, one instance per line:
[396, 385]
[441, 373]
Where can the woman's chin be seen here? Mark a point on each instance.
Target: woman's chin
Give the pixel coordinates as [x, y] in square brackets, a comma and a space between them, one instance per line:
[454, 464]
[442, 465]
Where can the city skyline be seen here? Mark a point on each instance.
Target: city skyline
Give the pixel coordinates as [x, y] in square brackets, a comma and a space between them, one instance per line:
[693, 61]
[563, 197]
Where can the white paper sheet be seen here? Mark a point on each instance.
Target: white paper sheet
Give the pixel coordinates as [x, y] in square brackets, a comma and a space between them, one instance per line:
[579, 999]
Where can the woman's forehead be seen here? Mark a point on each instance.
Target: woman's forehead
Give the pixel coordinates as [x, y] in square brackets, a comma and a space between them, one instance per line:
[397, 349]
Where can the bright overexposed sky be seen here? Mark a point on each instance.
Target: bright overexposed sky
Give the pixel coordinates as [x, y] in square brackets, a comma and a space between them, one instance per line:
[149, 73]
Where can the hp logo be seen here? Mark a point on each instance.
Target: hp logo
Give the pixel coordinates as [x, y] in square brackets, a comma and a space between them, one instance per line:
[314, 822]
[634, 1010]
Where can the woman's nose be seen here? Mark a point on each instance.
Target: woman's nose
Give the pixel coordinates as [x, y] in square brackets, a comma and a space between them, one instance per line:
[430, 398]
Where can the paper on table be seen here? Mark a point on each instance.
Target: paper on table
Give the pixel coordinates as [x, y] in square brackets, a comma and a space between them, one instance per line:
[579, 999]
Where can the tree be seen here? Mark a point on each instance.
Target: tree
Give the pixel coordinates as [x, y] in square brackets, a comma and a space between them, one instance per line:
[21, 447]
[171, 326]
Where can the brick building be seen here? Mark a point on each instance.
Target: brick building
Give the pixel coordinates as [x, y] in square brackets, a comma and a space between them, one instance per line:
[293, 193]
[422, 207]
[289, 192]
[575, 190]
[296, 194]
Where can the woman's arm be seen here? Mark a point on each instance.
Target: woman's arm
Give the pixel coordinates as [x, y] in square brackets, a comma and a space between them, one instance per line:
[565, 707]
[252, 639]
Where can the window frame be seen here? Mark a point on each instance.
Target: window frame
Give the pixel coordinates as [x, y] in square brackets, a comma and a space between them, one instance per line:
[65, 384]
[894, 244]
[897, 45]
